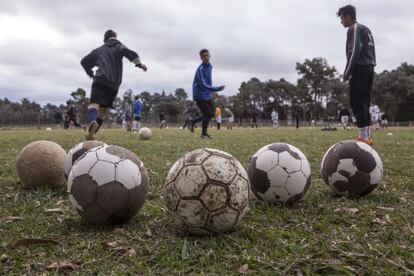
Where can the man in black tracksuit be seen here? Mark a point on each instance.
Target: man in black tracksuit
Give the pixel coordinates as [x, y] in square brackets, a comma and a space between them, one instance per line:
[361, 60]
[107, 79]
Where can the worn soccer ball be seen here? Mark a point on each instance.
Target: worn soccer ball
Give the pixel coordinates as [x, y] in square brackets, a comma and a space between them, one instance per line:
[77, 151]
[40, 163]
[207, 192]
[108, 185]
[144, 133]
[279, 173]
[352, 168]
[48, 129]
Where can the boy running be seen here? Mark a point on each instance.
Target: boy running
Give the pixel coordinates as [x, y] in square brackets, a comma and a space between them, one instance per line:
[107, 78]
[202, 88]
[218, 117]
[230, 120]
[361, 60]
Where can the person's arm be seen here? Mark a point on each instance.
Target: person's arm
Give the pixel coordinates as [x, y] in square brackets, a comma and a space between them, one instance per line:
[204, 85]
[354, 39]
[133, 57]
[90, 61]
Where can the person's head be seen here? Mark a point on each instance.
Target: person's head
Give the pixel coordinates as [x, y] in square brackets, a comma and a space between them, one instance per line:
[205, 55]
[136, 97]
[347, 15]
[109, 34]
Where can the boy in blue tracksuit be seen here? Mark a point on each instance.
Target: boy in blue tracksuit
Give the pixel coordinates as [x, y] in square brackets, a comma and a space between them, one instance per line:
[137, 113]
[202, 89]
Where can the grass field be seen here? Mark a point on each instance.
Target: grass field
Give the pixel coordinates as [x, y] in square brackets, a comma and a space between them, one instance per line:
[308, 238]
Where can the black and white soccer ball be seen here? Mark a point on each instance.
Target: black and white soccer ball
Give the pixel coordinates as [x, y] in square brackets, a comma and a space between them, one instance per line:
[108, 185]
[77, 151]
[352, 168]
[279, 173]
[207, 192]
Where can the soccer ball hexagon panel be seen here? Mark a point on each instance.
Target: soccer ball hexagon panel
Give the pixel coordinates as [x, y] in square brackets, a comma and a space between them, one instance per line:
[108, 185]
[207, 191]
[352, 168]
[279, 173]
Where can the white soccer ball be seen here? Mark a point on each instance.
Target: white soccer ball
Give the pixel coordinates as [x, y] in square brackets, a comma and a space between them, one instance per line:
[279, 173]
[48, 129]
[76, 152]
[108, 185]
[352, 168]
[207, 191]
[181, 128]
[144, 133]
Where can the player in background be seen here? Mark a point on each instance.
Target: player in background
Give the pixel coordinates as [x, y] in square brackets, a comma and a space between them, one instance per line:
[375, 113]
[71, 116]
[344, 117]
[163, 121]
[275, 118]
[202, 89]
[253, 117]
[136, 106]
[218, 117]
[190, 113]
[127, 114]
[384, 120]
[359, 71]
[107, 78]
[230, 118]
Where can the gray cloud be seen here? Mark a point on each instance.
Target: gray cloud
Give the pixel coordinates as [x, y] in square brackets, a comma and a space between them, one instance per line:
[42, 42]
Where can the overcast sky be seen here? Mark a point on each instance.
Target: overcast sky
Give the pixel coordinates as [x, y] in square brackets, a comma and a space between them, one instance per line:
[42, 41]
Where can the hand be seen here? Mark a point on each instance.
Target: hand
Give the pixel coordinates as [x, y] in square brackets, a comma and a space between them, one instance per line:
[222, 87]
[143, 67]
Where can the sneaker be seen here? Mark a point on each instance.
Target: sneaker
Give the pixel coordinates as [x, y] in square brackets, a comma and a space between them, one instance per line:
[93, 128]
[205, 136]
[368, 141]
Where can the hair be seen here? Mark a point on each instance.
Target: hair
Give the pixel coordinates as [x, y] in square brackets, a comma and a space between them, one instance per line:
[202, 51]
[347, 10]
[108, 34]
[136, 97]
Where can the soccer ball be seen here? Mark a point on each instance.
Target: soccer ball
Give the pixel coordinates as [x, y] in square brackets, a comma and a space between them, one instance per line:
[144, 133]
[352, 168]
[279, 173]
[48, 129]
[207, 192]
[77, 151]
[108, 185]
[40, 163]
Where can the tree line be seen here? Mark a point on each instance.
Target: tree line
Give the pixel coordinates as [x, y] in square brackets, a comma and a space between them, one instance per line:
[318, 94]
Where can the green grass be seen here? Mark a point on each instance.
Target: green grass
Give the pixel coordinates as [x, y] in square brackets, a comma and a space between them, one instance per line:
[308, 237]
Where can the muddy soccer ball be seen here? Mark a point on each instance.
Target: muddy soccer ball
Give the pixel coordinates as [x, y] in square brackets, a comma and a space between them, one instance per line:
[144, 133]
[352, 168]
[40, 163]
[108, 185]
[77, 151]
[207, 192]
[279, 173]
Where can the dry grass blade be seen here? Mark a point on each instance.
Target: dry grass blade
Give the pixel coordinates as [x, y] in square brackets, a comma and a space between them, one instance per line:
[28, 242]
[10, 219]
[347, 211]
[62, 265]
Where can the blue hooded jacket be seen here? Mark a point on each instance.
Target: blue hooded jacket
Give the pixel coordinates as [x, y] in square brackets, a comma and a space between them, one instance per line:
[202, 84]
[137, 108]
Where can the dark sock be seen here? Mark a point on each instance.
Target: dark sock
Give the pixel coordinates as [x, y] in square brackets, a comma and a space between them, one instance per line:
[100, 122]
[92, 114]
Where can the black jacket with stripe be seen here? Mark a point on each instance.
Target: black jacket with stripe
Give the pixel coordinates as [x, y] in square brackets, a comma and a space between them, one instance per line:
[108, 59]
[360, 48]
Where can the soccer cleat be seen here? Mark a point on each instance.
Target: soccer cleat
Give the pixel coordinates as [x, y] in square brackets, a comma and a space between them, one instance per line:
[366, 141]
[93, 128]
[206, 136]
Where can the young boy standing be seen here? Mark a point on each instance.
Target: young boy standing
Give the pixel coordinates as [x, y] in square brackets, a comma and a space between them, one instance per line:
[202, 88]
[137, 106]
[361, 60]
[107, 78]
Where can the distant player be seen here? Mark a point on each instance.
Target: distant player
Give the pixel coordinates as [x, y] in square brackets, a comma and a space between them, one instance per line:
[361, 60]
[190, 113]
[163, 121]
[375, 113]
[275, 118]
[344, 116]
[218, 117]
[127, 115]
[137, 106]
[202, 88]
[230, 119]
[71, 117]
[253, 117]
[384, 120]
[107, 78]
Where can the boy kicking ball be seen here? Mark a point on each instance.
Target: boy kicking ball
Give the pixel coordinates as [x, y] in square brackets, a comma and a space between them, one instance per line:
[107, 78]
[359, 71]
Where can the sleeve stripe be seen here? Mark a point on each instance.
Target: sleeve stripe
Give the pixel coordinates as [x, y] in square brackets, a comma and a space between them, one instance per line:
[353, 49]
